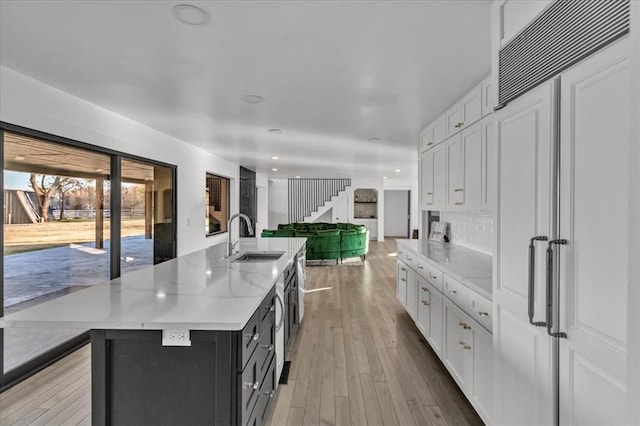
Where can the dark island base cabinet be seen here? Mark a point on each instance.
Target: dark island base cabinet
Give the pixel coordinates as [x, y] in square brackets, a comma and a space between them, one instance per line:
[290, 304]
[223, 378]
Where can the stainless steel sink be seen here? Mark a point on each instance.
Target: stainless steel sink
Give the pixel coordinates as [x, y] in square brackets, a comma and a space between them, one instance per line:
[256, 257]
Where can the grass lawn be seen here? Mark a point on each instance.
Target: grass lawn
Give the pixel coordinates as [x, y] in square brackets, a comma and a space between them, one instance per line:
[39, 236]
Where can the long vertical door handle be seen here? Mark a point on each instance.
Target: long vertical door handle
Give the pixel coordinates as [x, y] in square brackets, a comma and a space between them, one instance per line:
[550, 271]
[532, 280]
[279, 325]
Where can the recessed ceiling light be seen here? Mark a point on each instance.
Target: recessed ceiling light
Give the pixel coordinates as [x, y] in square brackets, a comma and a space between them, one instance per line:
[275, 131]
[253, 99]
[374, 139]
[19, 158]
[190, 15]
[274, 169]
[398, 170]
[275, 158]
[384, 177]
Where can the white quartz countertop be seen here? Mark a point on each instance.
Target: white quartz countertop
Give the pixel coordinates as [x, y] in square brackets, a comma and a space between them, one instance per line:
[197, 291]
[471, 267]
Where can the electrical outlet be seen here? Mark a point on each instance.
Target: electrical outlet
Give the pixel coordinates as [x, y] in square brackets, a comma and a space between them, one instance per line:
[176, 338]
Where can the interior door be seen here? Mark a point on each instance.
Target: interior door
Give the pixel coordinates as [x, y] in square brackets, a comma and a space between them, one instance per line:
[522, 352]
[594, 278]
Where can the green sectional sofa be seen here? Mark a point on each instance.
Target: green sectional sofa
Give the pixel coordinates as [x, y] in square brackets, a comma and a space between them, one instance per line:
[326, 240]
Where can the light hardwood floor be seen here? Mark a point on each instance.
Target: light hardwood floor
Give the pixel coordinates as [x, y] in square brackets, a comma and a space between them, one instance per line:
[357, 359]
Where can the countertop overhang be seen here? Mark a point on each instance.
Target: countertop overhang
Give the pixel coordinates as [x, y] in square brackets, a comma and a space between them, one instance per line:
[197, 291]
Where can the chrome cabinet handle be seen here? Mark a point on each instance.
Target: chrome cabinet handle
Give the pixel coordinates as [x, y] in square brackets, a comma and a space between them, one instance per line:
[550, 288]
[402, 279]
[425, 289]
[433, 277]
[483, 314]
[467, 347]
[403, 269]
[272, 308]
[532, 272]
[271, 393]
[425, 303]
[420, 267]
[458, 204]
[429, 143]
[269, 348]
[409, 258]
[429, 193]
[458, 125]
[252, 385]
[453, 292]
[458, 190]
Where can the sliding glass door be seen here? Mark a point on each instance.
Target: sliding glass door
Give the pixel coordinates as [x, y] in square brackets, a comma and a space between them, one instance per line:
[60, 201]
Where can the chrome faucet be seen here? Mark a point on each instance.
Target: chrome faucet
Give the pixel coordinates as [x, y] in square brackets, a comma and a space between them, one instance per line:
[246, 219]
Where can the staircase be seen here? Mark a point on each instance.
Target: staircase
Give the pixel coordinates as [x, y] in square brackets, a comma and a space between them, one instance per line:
[310, 197]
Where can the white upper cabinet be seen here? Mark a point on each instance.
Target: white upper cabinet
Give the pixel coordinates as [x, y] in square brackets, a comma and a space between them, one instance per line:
[465, 112]
[514, 15]
[426, 183]
[455, 190]
[472, 167]
[465, 165]
[439, 178]
[488, 96]
[489, 163]
[433, 134]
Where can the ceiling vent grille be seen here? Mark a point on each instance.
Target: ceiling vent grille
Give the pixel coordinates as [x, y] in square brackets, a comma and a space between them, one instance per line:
[566, 32]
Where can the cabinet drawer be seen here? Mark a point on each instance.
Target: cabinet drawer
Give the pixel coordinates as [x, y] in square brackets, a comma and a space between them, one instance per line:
[430, 273]
[267, 311]
[481, 309]
[267, 346]
[250, 383]
[407, 257]
[249, 339]
[267, 392]
[457, 292]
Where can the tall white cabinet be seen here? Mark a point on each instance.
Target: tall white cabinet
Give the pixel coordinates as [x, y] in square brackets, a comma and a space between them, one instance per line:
[580, 122]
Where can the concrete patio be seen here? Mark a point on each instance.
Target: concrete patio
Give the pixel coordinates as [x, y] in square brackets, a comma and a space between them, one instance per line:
[37, 276]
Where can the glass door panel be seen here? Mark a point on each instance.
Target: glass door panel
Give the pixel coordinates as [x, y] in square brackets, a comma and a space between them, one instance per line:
[55, 233]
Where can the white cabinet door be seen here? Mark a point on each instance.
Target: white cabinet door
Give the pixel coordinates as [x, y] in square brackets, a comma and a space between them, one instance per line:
[594, 280]
[426, 183]
[489, 161]
[453, 119]
[423, 320]
[433, 134]
[455, 190]
[439, 129]
[401, 283]
[439, 178]
[488, 98]
[472, 167]
[480, 382]
[454, 346]
[412, 294]
[434, 336]
[522, 352]
[471, 107]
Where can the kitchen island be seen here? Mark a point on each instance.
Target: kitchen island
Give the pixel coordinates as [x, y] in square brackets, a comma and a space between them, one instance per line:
[187, 341]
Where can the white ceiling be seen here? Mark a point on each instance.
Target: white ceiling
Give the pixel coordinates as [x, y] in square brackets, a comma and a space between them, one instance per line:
[332, 73]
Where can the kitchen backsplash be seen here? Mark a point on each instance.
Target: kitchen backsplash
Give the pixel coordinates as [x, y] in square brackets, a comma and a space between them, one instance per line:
[471, 230]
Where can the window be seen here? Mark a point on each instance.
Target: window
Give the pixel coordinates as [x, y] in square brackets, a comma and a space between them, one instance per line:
[216, 204]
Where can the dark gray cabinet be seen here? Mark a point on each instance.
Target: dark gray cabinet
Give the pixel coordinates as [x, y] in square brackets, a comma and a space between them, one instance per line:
[291, 317]
[223, 378]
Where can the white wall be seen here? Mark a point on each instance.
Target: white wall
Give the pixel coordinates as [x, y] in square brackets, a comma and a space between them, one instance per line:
[278, 202]
[262, 185]
[29, 103]
[326, 217]
[396, 209]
